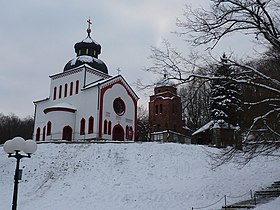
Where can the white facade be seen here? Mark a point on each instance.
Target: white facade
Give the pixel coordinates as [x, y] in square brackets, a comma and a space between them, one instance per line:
[86, 104]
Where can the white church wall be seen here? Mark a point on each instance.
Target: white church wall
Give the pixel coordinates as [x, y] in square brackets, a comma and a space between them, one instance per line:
[127, 119]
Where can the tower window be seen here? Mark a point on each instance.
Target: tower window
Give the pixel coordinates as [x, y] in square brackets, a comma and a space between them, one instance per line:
[77, 87]
[71, 88]
[65, 90]
[160, 108]
[87, 51]
[156, 109]
[54, 93]
[60, 91]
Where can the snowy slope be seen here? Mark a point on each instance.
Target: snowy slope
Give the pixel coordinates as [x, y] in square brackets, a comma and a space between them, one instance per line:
[145, 176]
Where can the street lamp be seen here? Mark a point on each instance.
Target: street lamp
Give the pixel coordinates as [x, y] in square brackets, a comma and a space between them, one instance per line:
[14, 148]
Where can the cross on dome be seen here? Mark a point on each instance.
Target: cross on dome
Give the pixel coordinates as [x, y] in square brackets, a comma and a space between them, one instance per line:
[88, 29]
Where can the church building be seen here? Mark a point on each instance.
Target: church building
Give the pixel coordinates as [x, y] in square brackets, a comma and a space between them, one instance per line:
[85, 102]
[165, 114]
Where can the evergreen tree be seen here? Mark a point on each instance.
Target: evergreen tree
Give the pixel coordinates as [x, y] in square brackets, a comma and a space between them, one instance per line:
[225, 105]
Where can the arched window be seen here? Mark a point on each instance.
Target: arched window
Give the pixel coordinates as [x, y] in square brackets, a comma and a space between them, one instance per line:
[130, 133]
[105, 127]
[44, 133]
[126, 132]
[65, 90]
[156, 109]
[49, 128]
[90, 125]
[77, 87]
[38, 134]
[82, 126]
[160, 108]
[71, 88]
[109, 127]
[54, 93]
[60, 91]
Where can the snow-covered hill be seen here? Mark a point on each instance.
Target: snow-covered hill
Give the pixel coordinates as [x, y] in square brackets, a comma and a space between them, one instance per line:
[147, 176]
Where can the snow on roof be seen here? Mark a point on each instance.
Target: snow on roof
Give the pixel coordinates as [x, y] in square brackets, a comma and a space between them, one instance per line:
[117, 78]
[85, 58]
[218, 124]
[204, 128]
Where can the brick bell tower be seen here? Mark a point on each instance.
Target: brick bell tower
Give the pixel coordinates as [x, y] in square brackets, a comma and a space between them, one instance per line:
[165, 113]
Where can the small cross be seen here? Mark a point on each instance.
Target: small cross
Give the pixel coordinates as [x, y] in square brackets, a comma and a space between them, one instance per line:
[118, 70]
[89, 23]
[88, 29]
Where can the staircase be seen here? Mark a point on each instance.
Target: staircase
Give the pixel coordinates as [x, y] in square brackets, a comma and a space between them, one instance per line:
[260, 197]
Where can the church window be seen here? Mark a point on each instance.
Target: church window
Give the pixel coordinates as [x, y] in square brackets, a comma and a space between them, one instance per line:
[156, 109]
[60, 91]
[65, 90]
[80, 52]
[105, 127]
[82, 126]
[38, 134]
[90, 125]
[130, 133]
[94, 53]
[54, 93]
[44, 133]
[49, 128]
[119, 106]
[160, 108]
[126, 132]
[87, 51]
[109, 127]
[77, 86]
[158, 127]
[71, 88]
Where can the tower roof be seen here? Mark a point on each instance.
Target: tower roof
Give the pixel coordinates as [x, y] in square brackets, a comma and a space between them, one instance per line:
[87, 52]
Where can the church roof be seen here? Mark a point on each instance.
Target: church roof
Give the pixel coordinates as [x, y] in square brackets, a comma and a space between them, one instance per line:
[89, 60]
[112, 80]
[87, 52]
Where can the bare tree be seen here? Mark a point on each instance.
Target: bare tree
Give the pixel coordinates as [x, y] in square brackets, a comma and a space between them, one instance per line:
[206, 27]
[142, 123]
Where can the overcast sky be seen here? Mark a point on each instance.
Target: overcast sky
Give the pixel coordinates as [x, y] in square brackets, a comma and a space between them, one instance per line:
[37, 39]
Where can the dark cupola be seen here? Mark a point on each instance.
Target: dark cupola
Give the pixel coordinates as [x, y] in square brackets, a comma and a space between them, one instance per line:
[87, 52]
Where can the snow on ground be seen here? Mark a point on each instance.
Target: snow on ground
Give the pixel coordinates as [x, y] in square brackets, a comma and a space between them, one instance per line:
[147, 176]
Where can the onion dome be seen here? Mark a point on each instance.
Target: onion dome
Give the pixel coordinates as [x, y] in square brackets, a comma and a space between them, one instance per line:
[165, 82]
[87, 52]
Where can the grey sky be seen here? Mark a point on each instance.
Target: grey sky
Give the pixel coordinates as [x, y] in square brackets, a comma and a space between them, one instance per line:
[37, 39]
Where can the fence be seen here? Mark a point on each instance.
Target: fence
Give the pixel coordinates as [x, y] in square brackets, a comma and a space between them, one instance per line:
[227, 198]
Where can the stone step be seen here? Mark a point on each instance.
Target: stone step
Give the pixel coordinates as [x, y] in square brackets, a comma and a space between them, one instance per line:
[269, 193]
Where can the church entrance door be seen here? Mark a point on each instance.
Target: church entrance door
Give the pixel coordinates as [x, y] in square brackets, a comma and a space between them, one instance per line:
[67, 133]
[118, 133]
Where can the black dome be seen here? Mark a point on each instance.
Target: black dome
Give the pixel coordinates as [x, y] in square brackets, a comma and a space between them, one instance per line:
[86, 59]
[87, 52]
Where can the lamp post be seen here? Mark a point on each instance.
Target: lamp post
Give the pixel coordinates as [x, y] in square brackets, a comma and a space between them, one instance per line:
[14, 148]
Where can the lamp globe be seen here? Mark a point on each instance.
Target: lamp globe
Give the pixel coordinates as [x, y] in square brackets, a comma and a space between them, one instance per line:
[30, 146]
